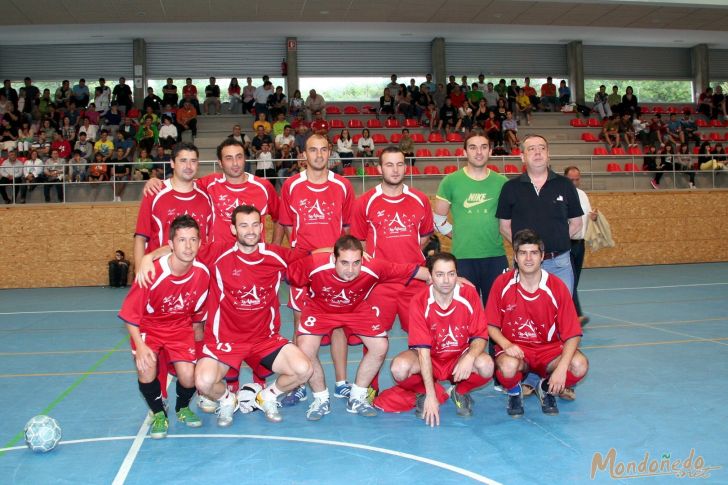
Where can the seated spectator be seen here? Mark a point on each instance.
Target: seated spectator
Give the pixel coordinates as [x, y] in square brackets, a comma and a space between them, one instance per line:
[501, 110]
[169, 111]
[406, 106]
[26, 134]
[480, 115]
[675, 134]
[285, 138]
[42, 145]
[212, 98]
[265, 167]
[601, 103]
[719, 102]
[262, 94]
[510, 130]
[669, 162]
[407, 144]
[629, 102]
[152, 101]
[658, 130]
[529, 91]
[261, 120]
[615, 100]
[122, 95]
[151, 115]
[302, 134]
[104, 146]
[439, 96]
[549, 99]
[432, 117]
[238, 135]
[464, 85]
[564, 93]
[84, 147]
[448, 116]
[287, 166]
[248, 96]
[610, 132]
[689, 128]
[705, 103]
[67, 130]
[277, 103]
[187, 118]
[169, 93]
[502, 89]
[259, 139]
[88, 129]
[236, 98]
[525, 107]
[280, 124]
[53, 173]
[344, 147]
[365, 146]
[491, 96]
[512, 95]
[650, 159]
[457, 97]
[335, 162]
[77, 167]
[315, 102]
[63, 146]
[80, 93]
[160, 169]
[168, 134]
[319, 125]
[705, 155]
[189, 94]
[129, 127]
[98, 170]
[93, 116]
[626, 130]
[11, 174]
[45, 103]
[719, 155]
[685, 162]
[8, 136]
[120, 173]
[32, 171]
[63, 94]
[118, 270]
[143, 166]
[465, 119]
[474, 96]
[386, 103]
[492, 128]
[295, 104]
[451, 83]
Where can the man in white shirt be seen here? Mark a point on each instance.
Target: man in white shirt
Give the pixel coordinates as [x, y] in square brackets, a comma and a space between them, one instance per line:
[285, 138]
[11, 173]
[265, 168]
[261, 97]
[314, 102]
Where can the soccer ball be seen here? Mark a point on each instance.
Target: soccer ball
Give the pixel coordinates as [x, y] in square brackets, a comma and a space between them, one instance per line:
[42, 433]
[246, 397]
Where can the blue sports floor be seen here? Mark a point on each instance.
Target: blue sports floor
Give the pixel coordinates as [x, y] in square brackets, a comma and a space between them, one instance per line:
[658, 384]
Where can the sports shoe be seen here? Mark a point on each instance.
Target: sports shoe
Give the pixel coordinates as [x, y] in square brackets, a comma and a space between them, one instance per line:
[654, 184]
[463, 403]
[371, 394]
[225, 410]
[165, 406]
[270, 408]
[362, 408]
[159, 426]
[548, 401]
[343, 391]
[206, 405]
[420, 406]
[318, 409]
[294, 397]
[515, 405]
[185, 415]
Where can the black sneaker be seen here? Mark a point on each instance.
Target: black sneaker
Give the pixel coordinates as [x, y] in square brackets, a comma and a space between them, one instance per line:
[420, 406]
[548, 401]
[463, 403]
[515, 405]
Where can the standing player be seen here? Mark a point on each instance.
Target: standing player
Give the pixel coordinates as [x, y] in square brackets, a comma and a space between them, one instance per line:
[338, 285]
[316, 210]
[533, 323]
[160, 318]
[447, 340]
[394, 222]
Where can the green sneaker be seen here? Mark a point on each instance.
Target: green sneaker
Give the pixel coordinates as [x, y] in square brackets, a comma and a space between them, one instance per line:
[463, 403]
[185, 415]
[371, 394]
[159, 426]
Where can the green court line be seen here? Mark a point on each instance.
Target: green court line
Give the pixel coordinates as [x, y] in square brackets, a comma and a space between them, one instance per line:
[15, 439]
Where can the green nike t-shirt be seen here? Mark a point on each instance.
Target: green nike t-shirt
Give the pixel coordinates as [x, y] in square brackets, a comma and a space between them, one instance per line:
[473, 204]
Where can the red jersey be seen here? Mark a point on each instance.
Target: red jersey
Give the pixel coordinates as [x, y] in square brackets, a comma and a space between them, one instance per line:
[157, 212]
[243, 304]
[330, 294]
[447, 332]
[226, 196]
[393, 226]
[317, 213]
[543, 317]
[169, 301]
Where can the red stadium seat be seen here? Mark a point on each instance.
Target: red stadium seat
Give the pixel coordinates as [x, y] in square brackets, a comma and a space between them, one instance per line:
[432, 170]
[395, 138]
[645, 110]
[351, 110]
[631, 167]
[355, 124]
[716, 123]
[443, 152]
[355, 139]
[510, 168]
[411, 123]
[418, 137]
[516, 151]
[634, 151]
[335, 139]
[689, 109]
[349, 171]
[460, 152]
[134, 113]
[600, 151]
[435, 137]
[696, 150]
[371, 171]
[423, 152]
[454, 137]
[378, 152]
[594, 123]
[726, 136]
[578, 123]
[672, 109]
[613, 167]
[449, 169]
[392, 123]
[374, 123]
[658, 109]
[618, 151]
[590, 137]
[701, 123]
[494, 168]
[336, 123]
[333, 110]
[379, 138]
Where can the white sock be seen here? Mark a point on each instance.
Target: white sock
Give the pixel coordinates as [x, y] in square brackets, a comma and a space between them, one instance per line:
[225, 397]
[340, 383]
[358, 393]
[322, 395]
[270, 393]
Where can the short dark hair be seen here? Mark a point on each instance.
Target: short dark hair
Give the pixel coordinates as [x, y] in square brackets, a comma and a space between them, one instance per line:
[570, 168]
[390, 149]
[184, 221]
[347, 243]
[443, 256]
[228, 142]
[527, 236]
[184, 146]
[473, 133]
[244, 209]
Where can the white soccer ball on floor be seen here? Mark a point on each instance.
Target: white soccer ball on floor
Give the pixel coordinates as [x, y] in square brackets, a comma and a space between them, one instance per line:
[42, 433]
[246, 397]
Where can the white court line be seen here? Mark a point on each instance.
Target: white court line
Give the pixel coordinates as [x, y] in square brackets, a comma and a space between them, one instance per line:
[445, 466]
[652, 287]
[57, 311]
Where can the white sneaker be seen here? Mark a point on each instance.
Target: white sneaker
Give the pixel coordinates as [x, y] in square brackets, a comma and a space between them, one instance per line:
[270, 408]
[225, 410]
[206, 405]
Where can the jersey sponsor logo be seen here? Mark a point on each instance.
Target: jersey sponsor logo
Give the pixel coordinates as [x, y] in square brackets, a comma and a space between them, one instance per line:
[341, 298]
[396, 225]
[250, 297]
[475, 200]
[450, 340]
[178, 303]
[315, 212]
[525, 329]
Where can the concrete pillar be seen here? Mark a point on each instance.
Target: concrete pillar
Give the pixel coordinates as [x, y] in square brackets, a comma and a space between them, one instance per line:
[292, 61]
[139, 81]
[439, 60]
[700, 60]
[575, 64]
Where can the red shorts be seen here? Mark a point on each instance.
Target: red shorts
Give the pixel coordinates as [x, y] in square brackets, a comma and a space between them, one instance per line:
[538, 357]
[393, 299]
[233, 354]
[179, 342]
[362, 322]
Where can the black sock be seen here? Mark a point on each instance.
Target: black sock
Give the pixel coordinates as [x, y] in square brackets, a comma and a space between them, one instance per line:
[152, 393]
[545, 385]
[184, 395]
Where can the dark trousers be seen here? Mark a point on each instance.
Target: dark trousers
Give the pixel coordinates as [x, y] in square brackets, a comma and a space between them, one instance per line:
[577, 261]
[4, 182]
[118, 274]
[482, 272]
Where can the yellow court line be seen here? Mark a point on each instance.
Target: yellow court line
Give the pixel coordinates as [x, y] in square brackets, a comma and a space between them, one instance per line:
[667, 322]
[61, 374]
[647, 344]
[61, 352]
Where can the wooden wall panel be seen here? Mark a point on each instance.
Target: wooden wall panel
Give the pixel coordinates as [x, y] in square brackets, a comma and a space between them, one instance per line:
[57, 245]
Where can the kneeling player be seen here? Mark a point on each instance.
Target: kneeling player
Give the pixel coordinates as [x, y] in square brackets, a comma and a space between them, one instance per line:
[160, 316]
[447, 340]
[534, 325]
[245, 319]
